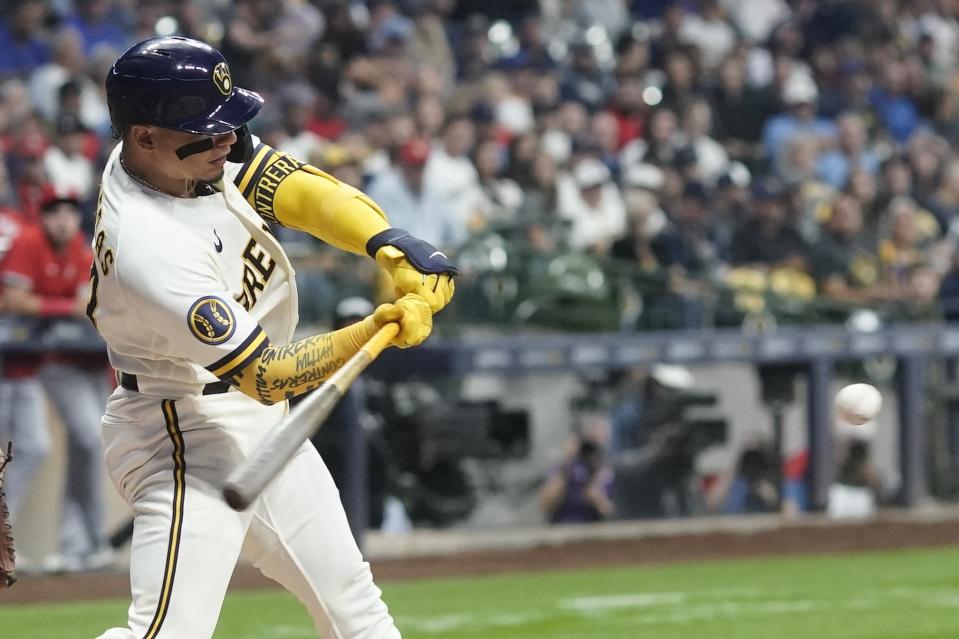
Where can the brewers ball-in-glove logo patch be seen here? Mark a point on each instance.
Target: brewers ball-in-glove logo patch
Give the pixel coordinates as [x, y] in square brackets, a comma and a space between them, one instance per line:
[211, 320]
[222, 79]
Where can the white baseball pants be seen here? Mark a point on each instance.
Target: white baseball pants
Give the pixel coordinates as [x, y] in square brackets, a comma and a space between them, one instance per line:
[169, 459]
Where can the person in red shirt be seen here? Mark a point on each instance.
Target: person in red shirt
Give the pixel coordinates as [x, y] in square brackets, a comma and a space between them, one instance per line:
[21, 396]
[46, 275]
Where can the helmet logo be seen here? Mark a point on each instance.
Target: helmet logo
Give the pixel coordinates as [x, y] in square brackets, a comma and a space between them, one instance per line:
[222, 79]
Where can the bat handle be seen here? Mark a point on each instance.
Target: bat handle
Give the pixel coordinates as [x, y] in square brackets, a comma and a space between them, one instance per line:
[381, 339]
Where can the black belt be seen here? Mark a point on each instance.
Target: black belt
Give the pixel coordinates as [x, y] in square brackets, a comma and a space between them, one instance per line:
[129, 382]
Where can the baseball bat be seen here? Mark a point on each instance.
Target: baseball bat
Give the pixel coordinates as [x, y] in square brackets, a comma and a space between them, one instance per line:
[252, 475]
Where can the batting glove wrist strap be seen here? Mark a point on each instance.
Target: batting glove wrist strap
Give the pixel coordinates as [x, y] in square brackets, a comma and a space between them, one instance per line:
[421, 255]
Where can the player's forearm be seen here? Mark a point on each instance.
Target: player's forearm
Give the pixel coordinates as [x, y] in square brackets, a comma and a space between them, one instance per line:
[282, 372]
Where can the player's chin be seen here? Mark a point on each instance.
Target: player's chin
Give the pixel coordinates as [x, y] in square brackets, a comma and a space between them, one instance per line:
[213, 173]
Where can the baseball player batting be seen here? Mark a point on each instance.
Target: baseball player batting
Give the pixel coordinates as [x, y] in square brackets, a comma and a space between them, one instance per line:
[197, 303]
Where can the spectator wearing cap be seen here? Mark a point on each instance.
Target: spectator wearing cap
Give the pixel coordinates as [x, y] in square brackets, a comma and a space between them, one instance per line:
[844, 264]
[23, 46]
[593, 206]
[689, 246]
[799, 95]
[766, 240]
[411, 203]
[46, 275]
[583, 80]
[835, 165]
[733, 196]
[70, 170]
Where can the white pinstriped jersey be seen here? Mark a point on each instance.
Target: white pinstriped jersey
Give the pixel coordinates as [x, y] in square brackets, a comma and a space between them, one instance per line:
[184, 287]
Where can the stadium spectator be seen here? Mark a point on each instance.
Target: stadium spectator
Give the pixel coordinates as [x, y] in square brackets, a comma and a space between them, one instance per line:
[68, 64]
[97, 23]
[31, 181]
[799, 95]
[858, 487]
[450, 173]
[843, 264]
[23, 46]
[21, 397]
[891, 100]
[593, 206]
[578, 490]
[69, 169]
[944, 201]
[500, 198]
[835, 165]
[644, 219]
[412, 203]
[740, 111]
[46, 275]
[709, 31]
[688, 246]
[767, 240]
[712, 160]
[296, 101]
[753, 487]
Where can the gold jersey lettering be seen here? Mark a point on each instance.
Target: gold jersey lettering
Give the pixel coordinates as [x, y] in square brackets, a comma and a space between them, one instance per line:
[258, 267]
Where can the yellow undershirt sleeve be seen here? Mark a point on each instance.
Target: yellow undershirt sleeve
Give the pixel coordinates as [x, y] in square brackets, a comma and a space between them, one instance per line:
[284, 190]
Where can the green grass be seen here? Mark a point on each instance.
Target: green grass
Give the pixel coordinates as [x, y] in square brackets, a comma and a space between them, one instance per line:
[895, 595]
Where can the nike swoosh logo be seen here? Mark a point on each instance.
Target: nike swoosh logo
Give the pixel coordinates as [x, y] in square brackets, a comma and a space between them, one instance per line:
[437, 253]
[218, 245]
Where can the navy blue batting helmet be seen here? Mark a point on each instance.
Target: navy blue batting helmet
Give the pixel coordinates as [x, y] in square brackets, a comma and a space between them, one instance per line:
[177, 83]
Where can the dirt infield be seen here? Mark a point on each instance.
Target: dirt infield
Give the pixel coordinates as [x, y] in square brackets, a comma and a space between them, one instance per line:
[788, 539]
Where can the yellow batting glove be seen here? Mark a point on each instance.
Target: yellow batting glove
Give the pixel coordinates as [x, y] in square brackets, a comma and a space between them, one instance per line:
[414, 316]
[414, 265]
[436, 288]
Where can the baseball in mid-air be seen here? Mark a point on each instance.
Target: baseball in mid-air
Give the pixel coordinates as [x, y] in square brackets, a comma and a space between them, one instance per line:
[857, 404]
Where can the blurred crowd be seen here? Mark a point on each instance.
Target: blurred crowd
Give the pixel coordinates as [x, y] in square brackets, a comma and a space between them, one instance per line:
[679, 159]
[801, 147]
